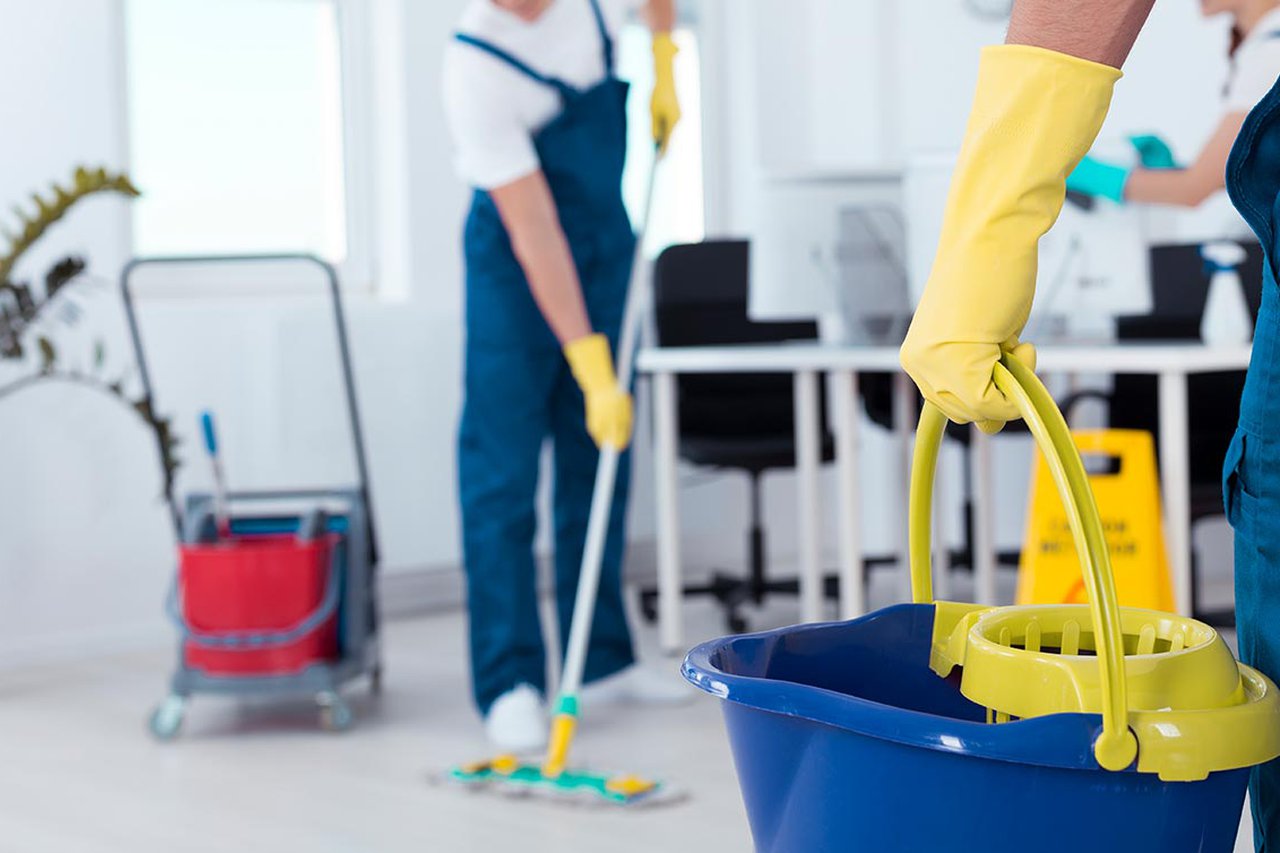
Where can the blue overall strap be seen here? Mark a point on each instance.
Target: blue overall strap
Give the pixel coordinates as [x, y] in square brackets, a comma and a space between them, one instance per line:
[604, 37]
[519, 65]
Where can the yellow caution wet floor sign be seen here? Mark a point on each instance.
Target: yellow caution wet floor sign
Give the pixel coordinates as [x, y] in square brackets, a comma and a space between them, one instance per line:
[1125, 484]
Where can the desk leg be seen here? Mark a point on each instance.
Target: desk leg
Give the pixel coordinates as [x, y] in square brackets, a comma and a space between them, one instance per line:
[668, 517]
[844, 399]
[1175, 483]
[808, 460]
[984, 535]
[904, 426]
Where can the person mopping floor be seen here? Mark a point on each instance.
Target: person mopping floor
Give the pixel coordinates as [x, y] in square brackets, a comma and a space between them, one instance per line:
[539, 123]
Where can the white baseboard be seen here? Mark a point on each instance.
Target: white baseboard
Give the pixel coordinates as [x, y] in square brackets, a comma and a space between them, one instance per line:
[402, 593]
[72, 647]
[434, 589]
[413, 592]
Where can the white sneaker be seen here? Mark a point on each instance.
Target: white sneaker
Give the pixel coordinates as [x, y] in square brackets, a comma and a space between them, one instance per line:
[517, 721]
[639, 685]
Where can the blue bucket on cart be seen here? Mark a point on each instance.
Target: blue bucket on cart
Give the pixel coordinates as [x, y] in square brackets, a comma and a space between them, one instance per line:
[845, 740]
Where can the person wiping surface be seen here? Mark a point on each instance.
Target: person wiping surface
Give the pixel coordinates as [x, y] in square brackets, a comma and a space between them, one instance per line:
[1254, 54]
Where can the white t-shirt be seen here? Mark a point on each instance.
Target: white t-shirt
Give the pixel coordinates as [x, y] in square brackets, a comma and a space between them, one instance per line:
[493, 109]
[1256, 65]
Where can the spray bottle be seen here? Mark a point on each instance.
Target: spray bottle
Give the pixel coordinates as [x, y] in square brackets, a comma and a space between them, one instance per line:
[1226, 321]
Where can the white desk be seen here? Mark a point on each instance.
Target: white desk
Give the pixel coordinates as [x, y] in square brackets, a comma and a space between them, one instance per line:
[1172, 363]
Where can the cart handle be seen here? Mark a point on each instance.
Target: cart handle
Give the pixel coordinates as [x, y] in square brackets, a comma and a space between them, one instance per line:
[344, 356]
[252, 640]
[1116, 747]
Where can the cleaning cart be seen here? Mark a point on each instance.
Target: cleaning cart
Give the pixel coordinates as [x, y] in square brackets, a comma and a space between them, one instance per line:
[274, 594]
[944, 726]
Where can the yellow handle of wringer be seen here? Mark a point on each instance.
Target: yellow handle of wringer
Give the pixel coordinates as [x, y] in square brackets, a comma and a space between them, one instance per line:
[1116, 747]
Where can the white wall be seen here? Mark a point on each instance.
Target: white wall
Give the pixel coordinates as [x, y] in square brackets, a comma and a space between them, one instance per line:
[856, 84]
[828, 86]
[83, 544]
[85, 549]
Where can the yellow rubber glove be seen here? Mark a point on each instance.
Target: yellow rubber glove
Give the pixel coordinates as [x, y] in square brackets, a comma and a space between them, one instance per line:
[1035, 114]
[608, 406]
[665, 104]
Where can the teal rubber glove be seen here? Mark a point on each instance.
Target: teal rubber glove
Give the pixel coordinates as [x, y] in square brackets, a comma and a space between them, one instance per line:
[1154, 152]
[1094, 178]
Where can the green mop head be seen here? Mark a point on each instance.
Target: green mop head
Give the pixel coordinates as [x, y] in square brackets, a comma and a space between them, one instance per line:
[508, 774]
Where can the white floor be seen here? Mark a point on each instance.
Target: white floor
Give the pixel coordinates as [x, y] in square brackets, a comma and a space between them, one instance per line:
[78, 771]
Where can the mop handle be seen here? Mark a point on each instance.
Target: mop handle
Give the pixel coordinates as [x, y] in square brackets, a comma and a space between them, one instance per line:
[601, 506]
[220, 512]
[1115, 747]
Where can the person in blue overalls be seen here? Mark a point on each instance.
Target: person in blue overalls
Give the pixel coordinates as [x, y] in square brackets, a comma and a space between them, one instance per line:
[539, 124]
[1039, 103]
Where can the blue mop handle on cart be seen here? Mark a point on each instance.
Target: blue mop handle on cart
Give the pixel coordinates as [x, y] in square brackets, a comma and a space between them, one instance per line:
[220, 511]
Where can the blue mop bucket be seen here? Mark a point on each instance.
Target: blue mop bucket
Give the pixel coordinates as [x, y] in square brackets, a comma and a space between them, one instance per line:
[845, 739]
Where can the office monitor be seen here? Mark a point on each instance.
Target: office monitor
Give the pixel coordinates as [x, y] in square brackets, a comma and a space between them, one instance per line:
[832, 247]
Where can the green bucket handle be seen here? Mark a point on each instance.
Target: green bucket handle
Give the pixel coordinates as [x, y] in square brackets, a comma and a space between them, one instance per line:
[1116, 747]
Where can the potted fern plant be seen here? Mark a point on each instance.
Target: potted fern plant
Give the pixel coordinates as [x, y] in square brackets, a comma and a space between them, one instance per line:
[34, 318]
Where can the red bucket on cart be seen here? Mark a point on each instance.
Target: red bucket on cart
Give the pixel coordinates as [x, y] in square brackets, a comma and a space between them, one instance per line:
[258, 605]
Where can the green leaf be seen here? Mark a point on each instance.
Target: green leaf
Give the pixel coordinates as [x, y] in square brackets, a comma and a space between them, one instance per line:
[86, 182]
[10, 346]
[26, 304]
[48, 355]
[62, 273]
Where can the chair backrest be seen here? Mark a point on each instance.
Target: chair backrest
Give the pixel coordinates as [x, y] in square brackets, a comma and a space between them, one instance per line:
[700, 299]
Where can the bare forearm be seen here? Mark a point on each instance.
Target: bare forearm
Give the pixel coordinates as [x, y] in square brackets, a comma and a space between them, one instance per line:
[1189, 187]
[1179, 187]
[548, 265]
[529, 213]
[1098, 30]
[661, 15]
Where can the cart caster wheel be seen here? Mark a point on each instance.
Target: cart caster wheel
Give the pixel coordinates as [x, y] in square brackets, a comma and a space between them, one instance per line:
[167, 718]
[335, 714]
[375, 681]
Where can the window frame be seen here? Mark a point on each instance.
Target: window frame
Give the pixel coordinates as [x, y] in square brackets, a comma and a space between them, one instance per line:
[356, 271]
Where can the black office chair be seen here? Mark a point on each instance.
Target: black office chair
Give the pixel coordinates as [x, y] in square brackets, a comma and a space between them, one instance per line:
[734, 421]
[1180, 284]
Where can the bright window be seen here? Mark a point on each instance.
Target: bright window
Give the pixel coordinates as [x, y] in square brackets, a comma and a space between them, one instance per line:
[237, 127]
[678, 196]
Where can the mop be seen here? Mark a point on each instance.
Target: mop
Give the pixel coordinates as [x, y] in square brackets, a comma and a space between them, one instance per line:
[553, 776]
[222, 515]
